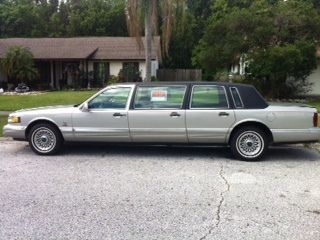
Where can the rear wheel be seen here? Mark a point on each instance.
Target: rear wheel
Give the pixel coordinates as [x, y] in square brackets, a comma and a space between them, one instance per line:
[249, 143]
[45, 139]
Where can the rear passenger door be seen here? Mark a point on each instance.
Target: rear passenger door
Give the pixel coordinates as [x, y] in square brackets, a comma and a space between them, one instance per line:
[209, 116]
[157, 114]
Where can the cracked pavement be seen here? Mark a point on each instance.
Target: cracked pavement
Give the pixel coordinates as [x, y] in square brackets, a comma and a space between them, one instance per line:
[139, 192]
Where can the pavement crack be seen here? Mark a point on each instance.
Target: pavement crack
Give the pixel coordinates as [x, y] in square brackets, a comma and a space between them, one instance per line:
[222, 194]
[221, 201]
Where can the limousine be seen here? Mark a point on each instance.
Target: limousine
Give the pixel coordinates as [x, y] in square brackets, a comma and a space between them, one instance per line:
[208, 113]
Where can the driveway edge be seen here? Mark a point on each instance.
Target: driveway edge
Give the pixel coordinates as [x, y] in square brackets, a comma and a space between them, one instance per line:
[5, 139]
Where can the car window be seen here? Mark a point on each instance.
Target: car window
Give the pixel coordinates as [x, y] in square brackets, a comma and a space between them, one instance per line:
[113, 98]
[208, 97]
[236, 97]
[163, 97]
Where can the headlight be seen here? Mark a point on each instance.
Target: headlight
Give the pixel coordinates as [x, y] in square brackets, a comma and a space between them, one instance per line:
[14, 119]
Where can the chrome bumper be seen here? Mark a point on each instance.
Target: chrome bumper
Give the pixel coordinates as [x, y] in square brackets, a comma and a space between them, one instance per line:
[14, 131]
[296, 135]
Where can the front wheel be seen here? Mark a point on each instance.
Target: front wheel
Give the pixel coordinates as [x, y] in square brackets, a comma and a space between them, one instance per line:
[45, 139]
[249, 143]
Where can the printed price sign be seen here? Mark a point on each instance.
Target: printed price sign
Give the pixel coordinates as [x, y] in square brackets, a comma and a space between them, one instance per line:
[159, 95]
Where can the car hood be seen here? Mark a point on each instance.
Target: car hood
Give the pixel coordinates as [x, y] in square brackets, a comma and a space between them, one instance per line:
[48, 109]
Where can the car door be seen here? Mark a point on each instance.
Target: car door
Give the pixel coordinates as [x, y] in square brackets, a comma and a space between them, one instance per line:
[158, 115]
[209, 116]
[106, 117]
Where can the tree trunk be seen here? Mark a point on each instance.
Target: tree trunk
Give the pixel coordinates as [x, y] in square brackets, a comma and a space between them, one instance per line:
[148, 41]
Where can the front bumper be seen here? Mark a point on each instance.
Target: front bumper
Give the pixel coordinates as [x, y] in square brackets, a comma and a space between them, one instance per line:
[14, 131]
[296, 135]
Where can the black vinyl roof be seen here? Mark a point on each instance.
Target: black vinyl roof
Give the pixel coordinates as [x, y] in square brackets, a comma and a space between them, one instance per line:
[250, 97]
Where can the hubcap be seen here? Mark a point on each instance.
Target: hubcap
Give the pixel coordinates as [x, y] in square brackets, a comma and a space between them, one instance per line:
[43, 139]
[250, 144]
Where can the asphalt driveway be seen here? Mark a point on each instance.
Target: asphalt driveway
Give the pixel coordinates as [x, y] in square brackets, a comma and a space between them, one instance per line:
[114, 192]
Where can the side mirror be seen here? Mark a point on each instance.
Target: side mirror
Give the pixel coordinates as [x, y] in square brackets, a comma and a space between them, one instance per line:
[85, 107]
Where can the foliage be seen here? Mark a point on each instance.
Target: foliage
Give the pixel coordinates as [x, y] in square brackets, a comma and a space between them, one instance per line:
[96, 18]
[146, 14]
[282, 71]
[113, 80]
[54, 18]
[16, 102]
[154, 79]
[166, 11]
[18, 65]
[129, 73]
[3, 121]
[182, 42]
[276, 38]
[207, 34]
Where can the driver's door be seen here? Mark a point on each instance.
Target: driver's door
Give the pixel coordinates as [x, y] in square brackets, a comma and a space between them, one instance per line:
[106, 119]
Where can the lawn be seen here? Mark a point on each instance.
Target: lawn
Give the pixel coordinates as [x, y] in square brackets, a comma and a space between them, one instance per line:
[13, 103]
[3, 121]
[315, 103]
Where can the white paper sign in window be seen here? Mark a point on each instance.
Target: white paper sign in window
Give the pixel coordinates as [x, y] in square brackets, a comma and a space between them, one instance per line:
[159, 95]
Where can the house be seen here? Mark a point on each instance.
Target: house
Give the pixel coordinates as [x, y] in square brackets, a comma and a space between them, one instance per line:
[79, 61]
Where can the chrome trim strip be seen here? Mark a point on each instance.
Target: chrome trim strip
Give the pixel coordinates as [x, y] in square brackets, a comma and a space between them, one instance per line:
[100, 130]
[158, 130]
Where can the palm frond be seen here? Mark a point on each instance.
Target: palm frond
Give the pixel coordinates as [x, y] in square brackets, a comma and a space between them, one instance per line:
[133, 21]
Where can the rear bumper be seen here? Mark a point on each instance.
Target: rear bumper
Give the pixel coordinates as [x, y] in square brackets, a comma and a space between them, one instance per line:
[296, 135]
[14, 131]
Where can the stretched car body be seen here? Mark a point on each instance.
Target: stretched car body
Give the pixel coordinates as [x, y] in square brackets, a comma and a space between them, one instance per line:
[177, 112]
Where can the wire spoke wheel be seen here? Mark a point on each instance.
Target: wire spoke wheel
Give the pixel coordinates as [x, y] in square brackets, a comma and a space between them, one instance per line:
[250, 144]
[45, 139]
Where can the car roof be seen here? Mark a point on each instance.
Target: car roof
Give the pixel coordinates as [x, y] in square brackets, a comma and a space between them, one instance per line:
[184, 83]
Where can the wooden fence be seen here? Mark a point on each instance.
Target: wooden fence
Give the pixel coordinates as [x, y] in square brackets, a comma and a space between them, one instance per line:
[171, 75]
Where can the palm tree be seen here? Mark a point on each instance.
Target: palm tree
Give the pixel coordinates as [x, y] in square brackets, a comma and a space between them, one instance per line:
[151, 11]
[18, 64]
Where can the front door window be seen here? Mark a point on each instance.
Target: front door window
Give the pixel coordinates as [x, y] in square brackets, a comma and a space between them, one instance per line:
[112, 98]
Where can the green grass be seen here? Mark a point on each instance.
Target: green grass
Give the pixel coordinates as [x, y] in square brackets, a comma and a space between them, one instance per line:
[315, 103]
[3, 121]
[16, 102]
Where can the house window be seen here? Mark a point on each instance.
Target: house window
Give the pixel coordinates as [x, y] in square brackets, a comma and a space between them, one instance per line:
[101, 72]
[130, 72]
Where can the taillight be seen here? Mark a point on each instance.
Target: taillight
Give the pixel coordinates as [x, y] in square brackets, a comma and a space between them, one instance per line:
[315, 119]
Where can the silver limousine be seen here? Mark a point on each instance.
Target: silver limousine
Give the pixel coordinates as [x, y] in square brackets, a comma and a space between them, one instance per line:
[192, 113]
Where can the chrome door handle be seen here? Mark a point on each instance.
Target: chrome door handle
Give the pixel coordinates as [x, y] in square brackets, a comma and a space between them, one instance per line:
[223, 114]
[175, 114]
[119, 115]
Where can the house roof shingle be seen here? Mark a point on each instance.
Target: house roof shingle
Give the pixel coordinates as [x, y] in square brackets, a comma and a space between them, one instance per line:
[108, 48]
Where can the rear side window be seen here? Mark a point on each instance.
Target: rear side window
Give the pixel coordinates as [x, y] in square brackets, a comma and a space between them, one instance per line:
[164, 97]
[236, 97]
[206, 96]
